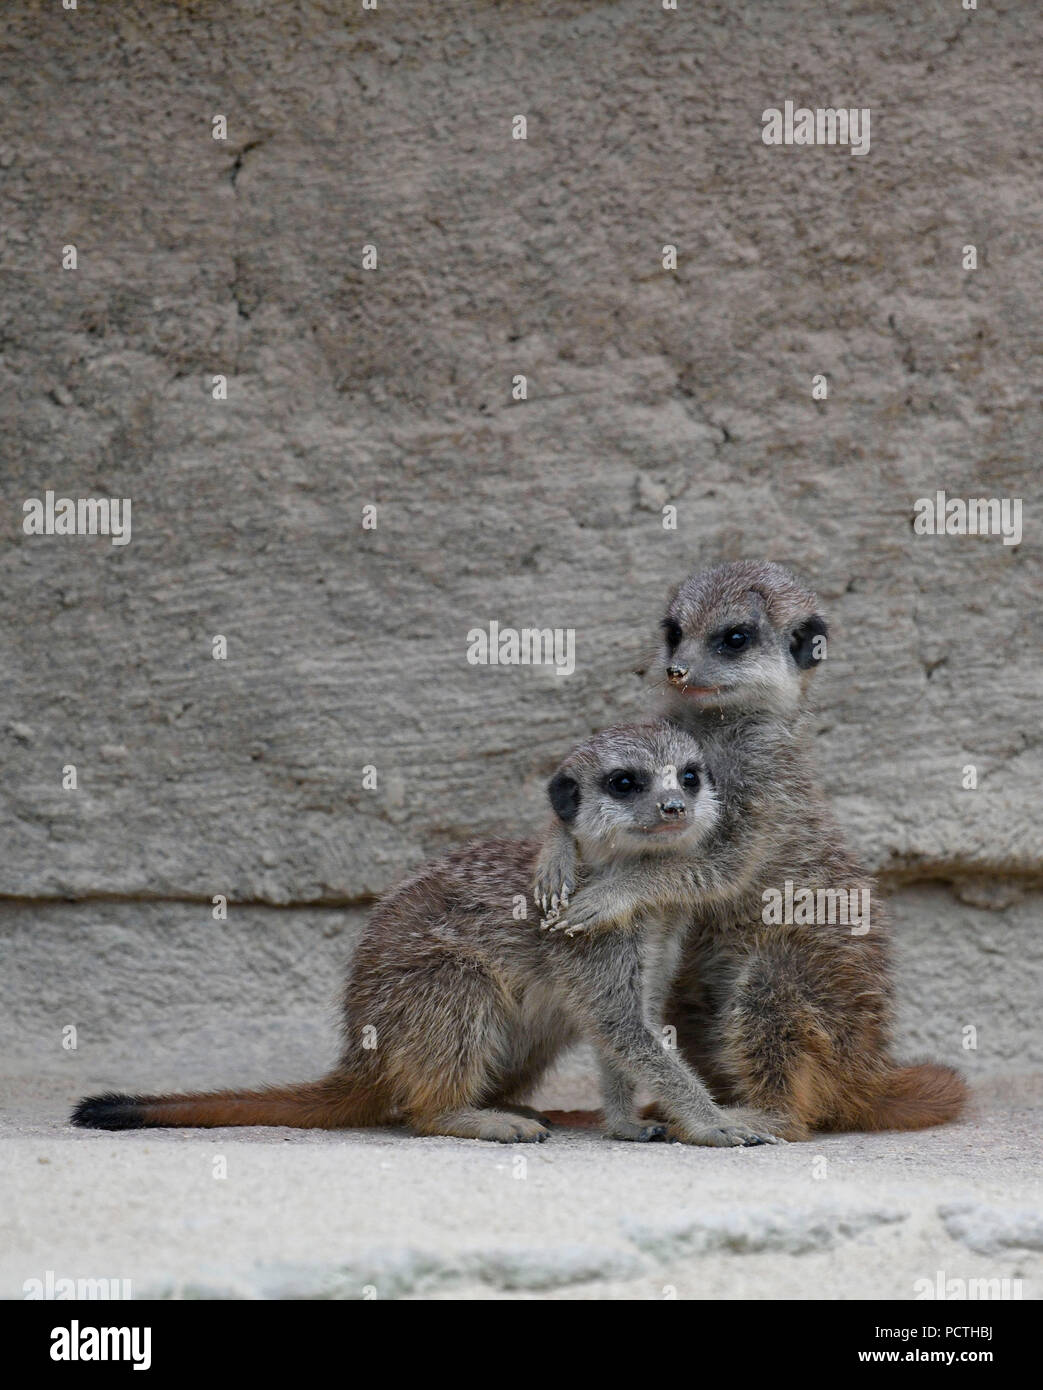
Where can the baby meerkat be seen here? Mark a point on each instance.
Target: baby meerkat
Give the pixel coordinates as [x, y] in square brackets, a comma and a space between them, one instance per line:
[456, 1004]
[792, 1017]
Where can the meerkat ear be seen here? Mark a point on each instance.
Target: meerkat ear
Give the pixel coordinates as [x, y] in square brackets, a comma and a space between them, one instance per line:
[807, 642]
[563, 790]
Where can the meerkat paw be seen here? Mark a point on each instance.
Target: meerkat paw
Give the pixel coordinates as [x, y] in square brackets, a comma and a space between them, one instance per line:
[724, 1137]
[496, 1126]
[583, 915]
[551, 894]
[530, 1114]
[552, 914]
[588, 912]
[640, 1131]
[554, 881]
[514, 1129]
[731, 1129]
[775, 1127]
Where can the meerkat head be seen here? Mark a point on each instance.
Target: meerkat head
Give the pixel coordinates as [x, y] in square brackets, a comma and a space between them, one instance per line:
[743, 637]
[635, 788]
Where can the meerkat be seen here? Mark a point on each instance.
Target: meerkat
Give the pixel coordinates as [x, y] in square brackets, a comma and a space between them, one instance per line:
[790, 1018]
[454, 1007]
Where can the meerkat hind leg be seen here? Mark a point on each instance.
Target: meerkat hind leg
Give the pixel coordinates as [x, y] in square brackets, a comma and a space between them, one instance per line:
[778, 1048]
[442, 1071]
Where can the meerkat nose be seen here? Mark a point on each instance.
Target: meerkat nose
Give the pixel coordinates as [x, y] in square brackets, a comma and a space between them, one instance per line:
[677, 673]
[673, 809]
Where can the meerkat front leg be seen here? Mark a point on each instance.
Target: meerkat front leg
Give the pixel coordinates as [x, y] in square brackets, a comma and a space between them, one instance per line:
[611, 899]
[608, 901]
[598, 909]
[617, 1103]
[556, 873]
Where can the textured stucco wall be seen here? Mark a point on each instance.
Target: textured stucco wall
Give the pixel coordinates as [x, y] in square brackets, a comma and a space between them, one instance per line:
[161, 996]
[646, 388]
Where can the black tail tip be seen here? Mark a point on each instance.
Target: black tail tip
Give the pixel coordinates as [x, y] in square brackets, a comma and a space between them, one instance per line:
[110, 1111]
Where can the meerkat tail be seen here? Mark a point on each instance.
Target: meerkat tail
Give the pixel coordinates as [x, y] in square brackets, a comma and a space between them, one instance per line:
[575, 1119]
[917, 1097]
[334, 1102]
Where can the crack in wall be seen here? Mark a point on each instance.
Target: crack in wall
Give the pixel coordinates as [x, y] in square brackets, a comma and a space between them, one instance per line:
[358, 900]
[894, 878]
[236, 288]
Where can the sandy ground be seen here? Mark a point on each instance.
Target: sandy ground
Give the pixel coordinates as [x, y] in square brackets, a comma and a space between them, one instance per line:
[381, 1214]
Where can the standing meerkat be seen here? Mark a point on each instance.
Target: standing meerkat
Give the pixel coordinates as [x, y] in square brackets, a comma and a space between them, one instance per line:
[792, 1018]
[454, 1008]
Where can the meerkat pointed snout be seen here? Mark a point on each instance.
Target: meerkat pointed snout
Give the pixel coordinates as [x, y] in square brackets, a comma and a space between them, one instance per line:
[744, 636]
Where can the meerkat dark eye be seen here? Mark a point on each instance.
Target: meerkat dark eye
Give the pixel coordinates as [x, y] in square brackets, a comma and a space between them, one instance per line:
[736, 639]
[672, 632]
[622, 784]
[690, 779]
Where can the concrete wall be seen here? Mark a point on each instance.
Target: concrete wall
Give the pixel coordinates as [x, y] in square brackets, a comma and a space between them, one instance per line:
[349, 387]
